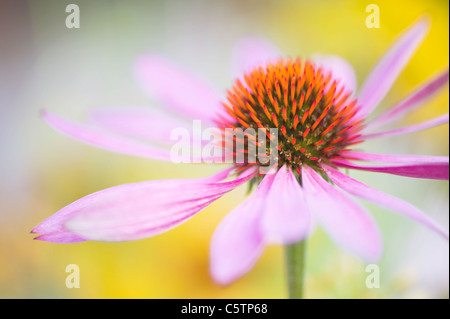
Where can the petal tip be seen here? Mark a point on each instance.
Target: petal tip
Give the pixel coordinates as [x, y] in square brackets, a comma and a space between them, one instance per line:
[425, 20]
[223, 277]
[39, 238]
[47, 116]
[221, 281]
[39, 229]
[42, 113]
[375, 256]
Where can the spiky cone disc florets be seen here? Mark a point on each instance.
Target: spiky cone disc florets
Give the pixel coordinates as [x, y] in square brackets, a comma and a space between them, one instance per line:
[314, 114]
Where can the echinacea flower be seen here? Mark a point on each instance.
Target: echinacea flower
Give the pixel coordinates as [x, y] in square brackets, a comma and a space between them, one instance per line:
[319, 119]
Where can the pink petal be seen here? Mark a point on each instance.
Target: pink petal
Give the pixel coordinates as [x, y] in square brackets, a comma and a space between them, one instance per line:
[137, 122]
[412, 128]
[286, 216]
[390, 202]
[389, 158]
[427, 170]
[275, 213]
[53, 228]
[104, 139]
[341, 70]
[138, 210]
[411, 102]
[179, 89]
[251, 52]
[238, 241]
[389, 67]
[347, 223]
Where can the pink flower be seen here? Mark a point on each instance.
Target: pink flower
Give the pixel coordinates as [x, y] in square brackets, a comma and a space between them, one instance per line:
[314, 107]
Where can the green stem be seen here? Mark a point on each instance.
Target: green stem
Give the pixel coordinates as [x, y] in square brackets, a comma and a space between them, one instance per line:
[295, 263]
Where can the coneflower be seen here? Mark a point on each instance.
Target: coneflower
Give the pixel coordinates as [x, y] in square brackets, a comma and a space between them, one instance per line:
[319, 120]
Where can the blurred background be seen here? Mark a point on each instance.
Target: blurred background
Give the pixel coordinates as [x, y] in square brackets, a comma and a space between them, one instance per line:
[44, 65]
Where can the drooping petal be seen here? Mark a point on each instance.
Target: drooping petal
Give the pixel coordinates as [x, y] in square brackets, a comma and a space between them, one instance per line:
[363, 191]
[251, 52]
[53, 228]
[411, 128]
[178, 88]
[340, 68]
[427, 170]
[412, 101]
[346, 222]
[149, 124]
[138, 210]
[105, 139]
[238, 241]
[286, 218]
[275, 213]
[389, 158]
[389, 67]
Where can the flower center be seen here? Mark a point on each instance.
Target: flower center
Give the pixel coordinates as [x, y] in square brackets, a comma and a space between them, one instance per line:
[314, 115]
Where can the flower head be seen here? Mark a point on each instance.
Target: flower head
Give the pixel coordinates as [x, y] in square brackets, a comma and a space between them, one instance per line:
[319, 120]
[316, 118]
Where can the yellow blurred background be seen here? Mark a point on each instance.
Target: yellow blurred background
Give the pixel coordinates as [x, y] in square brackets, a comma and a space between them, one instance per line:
[45, 65]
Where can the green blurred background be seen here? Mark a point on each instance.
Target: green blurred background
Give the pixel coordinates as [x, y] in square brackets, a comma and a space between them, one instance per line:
[45, 65]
